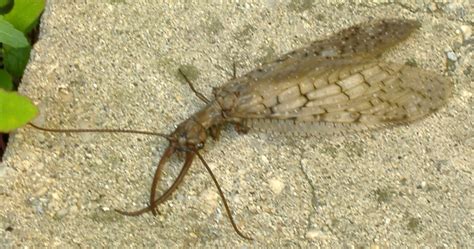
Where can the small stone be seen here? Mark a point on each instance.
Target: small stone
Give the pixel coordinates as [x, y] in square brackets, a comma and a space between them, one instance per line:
[55, 196]
[61, 213]
[432, 7]
[264, 159]
[37, 206]
[423, 184]
[40, 192]
[276, 185]
[65, 96]
[316, 234]
[88, 155]
[23, 166]
[466, 94]
[466, 32]
[98, 162]
[452, 56]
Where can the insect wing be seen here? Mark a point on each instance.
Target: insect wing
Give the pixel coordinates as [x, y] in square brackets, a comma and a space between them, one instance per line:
[337, 84]
[353, 45]
[355, 97]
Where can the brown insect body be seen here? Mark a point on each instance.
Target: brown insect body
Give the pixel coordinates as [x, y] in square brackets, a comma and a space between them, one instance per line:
[334, 85]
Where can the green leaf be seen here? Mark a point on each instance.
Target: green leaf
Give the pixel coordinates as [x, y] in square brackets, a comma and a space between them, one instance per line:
[15, 111]
[11, 36]
[15, 59]
[5, 80]
[5, 6]
[5, 2]
[25, 13]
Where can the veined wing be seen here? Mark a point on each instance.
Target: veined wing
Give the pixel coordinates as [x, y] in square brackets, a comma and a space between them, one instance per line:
[353, 97]
[336, 85]
[353, 45]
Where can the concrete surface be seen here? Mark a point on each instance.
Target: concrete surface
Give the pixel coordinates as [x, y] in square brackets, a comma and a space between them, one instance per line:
[114, 64]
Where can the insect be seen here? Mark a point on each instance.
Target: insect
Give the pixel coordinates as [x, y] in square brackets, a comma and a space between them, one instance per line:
[334, 85]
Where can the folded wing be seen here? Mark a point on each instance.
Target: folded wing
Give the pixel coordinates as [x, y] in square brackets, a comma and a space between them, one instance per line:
[354, 97]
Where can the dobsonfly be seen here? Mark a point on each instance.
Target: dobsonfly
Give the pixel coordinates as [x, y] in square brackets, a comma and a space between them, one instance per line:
[334, 85]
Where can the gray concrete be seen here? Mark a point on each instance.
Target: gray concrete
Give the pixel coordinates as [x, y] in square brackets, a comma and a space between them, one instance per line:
[114, 64]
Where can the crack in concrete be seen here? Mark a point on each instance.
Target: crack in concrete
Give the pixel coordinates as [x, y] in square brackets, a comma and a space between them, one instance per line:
[314, 199]
[313, 190]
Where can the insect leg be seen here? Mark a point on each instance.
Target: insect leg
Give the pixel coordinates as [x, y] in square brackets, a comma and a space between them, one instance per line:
[241, 128]
[215, 131]
[198, 94]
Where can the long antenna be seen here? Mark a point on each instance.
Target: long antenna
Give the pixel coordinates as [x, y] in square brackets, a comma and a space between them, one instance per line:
[221, 193]
[99, 131]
